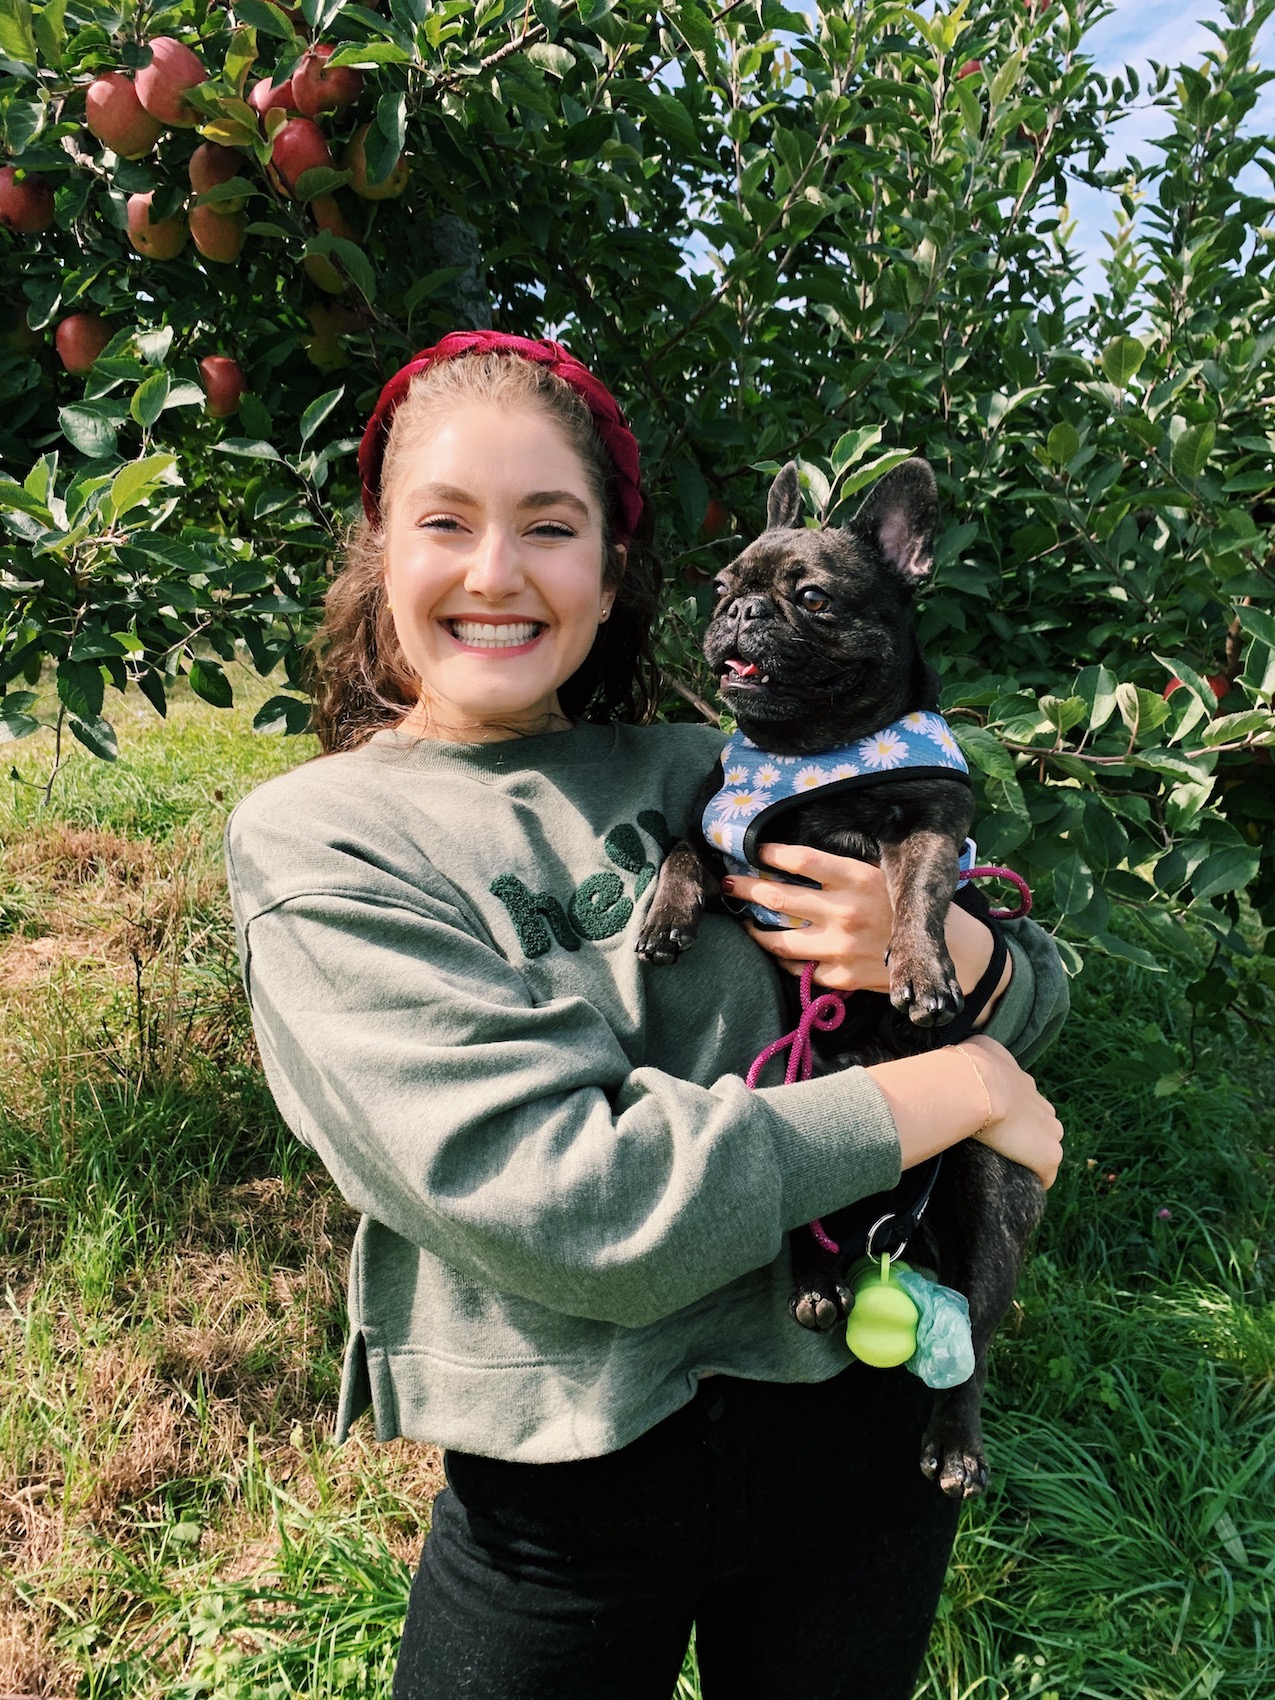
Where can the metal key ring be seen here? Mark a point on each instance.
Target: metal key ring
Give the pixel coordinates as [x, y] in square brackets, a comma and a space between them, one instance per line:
[890, 1216]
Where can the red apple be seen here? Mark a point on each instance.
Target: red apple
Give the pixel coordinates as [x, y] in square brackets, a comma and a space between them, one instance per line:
[969, 68]
[79, 339]
[299, 146]
[716, 518]
[161, 85]
[158, 239]
[1218, 683]
[27, 205]
[262, 98]
[356, 164]
[317, 89]
[223, 382]
[211, 164]
[218, 235]
[114, 114]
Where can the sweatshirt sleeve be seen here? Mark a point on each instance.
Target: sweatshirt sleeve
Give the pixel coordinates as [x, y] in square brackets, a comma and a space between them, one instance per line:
[512, 1139]
[1033, 1007]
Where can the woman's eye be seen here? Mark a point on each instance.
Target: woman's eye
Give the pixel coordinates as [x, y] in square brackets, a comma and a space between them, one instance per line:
[553, 528]
[439, 522]
[813, 598]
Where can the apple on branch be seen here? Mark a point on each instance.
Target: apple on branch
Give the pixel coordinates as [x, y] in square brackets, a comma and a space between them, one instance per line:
[317, 89]
[79, 339]
[158, 239]
[263, 97]
[224, 384]
[26, 201]
[356, 165]
[211, 164]
[298, 146]
[218, 235]
[117, 117]
[162, 85]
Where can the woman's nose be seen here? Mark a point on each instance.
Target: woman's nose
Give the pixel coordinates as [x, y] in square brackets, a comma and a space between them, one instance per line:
[495, 565]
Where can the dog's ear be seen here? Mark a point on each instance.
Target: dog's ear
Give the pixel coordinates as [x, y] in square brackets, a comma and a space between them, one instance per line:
[900, 516]
[783, 505]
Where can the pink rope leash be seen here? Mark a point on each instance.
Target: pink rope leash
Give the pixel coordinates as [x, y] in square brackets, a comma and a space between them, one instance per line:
[828, 1011]
[824, 1012]
[1024, 890]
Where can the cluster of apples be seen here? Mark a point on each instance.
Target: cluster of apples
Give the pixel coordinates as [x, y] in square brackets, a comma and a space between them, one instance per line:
[130, 114]
[81, 337]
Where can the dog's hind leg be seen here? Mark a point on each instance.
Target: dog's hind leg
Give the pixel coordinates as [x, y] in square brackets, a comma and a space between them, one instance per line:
[984, 1221]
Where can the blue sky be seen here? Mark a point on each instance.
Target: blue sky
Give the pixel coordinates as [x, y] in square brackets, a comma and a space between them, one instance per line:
[1171, 32]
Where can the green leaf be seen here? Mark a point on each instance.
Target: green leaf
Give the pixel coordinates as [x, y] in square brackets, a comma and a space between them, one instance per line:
[1257, 623]
[14, 726]
[1228, 727]
[318, 411]
[289, 715]
[1064, 712]
[81, 688]
[1073, 885]
[134, 482]
[49, 28]
[17, 40]
[871, 471]
[16, 498]
[320, 180]
[853, 446]
[248, 448]
[984, 750]
[1192, 450]
[263, 16]
[387, 138]
[96, 734]
[233, 189]
[1126, 952]
[209, 682]
[1097, 686]
[1122, 359]
[90, 426]
[1228, 867]
[372, 54]
[150, 398]
[1063, 442]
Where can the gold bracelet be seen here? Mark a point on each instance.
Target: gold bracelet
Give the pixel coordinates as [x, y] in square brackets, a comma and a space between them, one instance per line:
[987, 1097]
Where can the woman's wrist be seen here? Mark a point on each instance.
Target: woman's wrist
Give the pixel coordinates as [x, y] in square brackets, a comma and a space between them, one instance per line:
[936, 1100]
[969, 943]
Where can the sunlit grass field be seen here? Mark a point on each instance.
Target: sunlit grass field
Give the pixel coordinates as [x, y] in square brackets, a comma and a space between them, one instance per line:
[173, 1517]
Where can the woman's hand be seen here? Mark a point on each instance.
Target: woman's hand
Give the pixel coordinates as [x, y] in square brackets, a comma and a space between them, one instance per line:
[844, 927]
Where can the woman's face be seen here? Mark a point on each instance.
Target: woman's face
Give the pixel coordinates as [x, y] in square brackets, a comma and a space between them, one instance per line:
[493, 572]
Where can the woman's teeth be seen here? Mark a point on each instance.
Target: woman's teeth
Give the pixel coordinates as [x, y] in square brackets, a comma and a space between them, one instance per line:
[479, 635]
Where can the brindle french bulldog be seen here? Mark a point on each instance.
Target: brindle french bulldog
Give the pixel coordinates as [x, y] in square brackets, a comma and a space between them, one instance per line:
[814, 642]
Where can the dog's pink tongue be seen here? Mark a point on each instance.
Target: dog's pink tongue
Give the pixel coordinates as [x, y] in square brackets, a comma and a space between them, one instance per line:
[742, 669]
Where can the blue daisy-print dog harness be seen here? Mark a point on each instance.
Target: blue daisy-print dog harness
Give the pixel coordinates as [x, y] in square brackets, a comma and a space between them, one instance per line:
[758, 786]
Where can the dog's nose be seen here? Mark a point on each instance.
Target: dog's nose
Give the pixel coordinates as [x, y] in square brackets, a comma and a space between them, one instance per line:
[751, 608]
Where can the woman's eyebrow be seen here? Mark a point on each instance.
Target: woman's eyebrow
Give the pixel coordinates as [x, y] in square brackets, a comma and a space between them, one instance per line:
[465, 498]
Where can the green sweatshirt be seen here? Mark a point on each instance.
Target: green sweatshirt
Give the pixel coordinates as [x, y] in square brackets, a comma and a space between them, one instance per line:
[572, 1206]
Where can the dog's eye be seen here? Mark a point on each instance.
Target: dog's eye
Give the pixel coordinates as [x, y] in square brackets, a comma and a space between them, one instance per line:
[814, 599]
[720, 589]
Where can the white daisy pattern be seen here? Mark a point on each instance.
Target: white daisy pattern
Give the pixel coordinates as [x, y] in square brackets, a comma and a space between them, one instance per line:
[845, 770]
[768, 775]
[735, 775]
[883, 750]
[917, 721]
[741, 802]
[809, 779]
[941, 733]
[719, 836]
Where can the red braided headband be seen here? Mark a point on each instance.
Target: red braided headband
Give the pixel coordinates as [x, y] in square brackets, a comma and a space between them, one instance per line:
[617, 439]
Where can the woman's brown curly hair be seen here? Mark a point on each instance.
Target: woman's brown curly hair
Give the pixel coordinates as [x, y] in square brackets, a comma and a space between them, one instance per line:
[357, 675]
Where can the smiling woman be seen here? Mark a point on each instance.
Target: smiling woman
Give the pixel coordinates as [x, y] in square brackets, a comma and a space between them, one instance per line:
[574, 1212]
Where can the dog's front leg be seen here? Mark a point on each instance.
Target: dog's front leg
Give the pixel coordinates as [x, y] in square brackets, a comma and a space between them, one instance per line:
[920, 875]
[672, 923]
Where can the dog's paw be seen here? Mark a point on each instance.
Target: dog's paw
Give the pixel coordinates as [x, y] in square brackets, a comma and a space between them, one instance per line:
[662, 943]
[820, 1305]
[929, 997]
[957, 1464]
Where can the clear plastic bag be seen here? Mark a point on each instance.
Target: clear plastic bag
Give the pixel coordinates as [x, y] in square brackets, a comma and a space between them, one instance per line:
[944, 1355]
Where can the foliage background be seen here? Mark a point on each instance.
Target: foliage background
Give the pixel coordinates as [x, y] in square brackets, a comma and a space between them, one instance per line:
[875, 205]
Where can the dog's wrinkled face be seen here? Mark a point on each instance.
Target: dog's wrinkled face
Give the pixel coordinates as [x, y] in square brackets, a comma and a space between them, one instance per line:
[812, 632]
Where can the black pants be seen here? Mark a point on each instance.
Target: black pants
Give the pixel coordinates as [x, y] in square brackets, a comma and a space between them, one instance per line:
[789, 1524]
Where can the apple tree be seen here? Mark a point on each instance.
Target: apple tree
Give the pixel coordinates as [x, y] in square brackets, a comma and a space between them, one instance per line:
[839, 236]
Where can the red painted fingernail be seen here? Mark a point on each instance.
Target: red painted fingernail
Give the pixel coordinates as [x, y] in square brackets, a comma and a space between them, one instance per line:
[728, 885]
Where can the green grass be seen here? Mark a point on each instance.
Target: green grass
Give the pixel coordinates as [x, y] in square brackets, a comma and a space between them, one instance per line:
[173, 1517]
